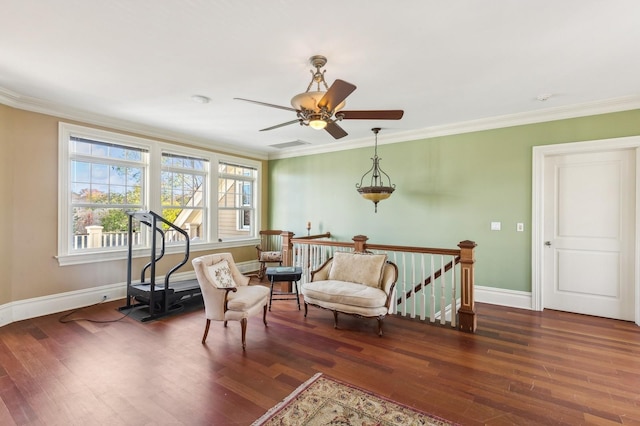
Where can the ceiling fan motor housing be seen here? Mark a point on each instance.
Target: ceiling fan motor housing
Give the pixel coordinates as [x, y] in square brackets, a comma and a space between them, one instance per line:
[309, 101]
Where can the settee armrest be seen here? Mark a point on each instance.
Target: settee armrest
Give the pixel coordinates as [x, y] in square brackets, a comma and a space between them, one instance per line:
[322, 273]
[388, 282]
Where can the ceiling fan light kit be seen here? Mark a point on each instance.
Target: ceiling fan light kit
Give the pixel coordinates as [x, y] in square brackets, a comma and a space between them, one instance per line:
[322, 109]
[380, 186]
[317, 123]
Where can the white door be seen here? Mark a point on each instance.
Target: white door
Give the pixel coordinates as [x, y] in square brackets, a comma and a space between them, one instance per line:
[589, 229]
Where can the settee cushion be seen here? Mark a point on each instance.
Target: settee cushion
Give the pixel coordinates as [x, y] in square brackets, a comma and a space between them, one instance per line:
[358, 268]
[345, 293]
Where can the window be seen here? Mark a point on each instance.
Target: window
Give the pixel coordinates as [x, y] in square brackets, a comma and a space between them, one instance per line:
[106, 180]
[236, 201]
[105, 175]
[183, 183]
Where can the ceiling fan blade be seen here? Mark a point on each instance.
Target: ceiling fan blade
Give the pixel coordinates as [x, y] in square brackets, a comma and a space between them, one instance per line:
[337, 93]
[336, 131]
[266, 104]
[392, 114]
[281, 125]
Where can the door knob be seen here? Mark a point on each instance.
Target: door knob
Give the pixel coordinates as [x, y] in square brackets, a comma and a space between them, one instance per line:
[547, 243]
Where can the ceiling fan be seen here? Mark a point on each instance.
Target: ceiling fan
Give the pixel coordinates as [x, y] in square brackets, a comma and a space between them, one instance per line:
[322, 109]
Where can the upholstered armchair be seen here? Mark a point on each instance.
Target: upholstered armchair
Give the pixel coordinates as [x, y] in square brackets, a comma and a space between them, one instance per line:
[227, 294]
[269, 250]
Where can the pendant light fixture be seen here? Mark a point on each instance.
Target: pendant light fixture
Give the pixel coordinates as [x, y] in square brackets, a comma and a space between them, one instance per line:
[380, 186]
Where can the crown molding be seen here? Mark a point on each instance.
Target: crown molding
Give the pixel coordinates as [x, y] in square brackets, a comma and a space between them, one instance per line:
[625, 103]
[27, 103]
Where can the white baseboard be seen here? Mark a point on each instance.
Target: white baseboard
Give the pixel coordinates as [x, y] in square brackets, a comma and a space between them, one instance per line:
[503, 297]
[46, 305]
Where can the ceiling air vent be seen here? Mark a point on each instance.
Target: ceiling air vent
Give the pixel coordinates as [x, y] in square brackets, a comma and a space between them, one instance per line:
[289, 144]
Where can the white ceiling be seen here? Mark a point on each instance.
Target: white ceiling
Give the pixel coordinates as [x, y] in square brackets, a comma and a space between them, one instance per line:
[136, 63]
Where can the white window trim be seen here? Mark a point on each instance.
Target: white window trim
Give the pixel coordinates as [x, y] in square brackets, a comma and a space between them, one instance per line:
[152, 190]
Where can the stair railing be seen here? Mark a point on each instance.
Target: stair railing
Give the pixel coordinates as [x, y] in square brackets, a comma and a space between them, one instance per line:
[434, 284]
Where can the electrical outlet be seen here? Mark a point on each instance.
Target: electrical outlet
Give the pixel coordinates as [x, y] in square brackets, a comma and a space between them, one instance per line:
[520, 227]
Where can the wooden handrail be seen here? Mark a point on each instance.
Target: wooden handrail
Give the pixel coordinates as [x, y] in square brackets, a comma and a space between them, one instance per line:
[314, 237]
[270, 232]
[381, 247]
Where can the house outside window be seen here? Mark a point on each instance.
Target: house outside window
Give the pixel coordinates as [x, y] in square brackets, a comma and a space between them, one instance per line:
[104, 175]
[183, 182]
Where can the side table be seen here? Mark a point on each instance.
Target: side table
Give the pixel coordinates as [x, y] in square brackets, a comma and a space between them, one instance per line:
[283, 274]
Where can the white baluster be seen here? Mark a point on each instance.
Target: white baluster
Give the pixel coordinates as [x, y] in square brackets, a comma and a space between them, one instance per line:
[423, 278]
[404, 285]
[432, 300]
[454, 301]
[443, 291]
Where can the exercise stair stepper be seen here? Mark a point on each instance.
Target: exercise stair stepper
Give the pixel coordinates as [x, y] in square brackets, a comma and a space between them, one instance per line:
[162, 298]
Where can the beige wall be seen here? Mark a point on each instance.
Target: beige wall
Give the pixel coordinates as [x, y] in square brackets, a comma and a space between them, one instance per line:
[29, 216]
[6, 204]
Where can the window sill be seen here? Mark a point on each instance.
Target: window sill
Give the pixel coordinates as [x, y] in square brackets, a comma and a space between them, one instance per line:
[114, 255]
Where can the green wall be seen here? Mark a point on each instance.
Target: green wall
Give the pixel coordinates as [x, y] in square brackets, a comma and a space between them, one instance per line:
[448, 189]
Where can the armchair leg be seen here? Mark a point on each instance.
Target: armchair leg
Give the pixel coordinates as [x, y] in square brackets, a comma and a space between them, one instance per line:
[264, 315]
[243, 323]
[335, 319]
[380, 326]
[206, 331]
[305, 309]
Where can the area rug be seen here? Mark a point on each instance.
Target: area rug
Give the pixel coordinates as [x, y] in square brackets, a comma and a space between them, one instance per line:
[326, 401]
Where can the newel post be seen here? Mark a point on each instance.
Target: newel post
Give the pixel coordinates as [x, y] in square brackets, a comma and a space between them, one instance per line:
[94, 239]
[287, 248]
[359, 243]
[467, 314]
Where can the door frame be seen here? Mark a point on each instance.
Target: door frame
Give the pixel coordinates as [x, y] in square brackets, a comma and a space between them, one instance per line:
[537, 221]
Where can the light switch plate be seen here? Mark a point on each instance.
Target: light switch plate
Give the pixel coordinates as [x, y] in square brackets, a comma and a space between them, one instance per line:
[520, 227]
[496, 226]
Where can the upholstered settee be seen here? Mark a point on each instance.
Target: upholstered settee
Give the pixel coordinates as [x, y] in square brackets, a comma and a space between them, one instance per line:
[359, 284]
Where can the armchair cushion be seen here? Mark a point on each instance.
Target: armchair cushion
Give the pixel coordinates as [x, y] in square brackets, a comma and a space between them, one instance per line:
[220, 275]
[270, 256]
[358, 268]
[246, 297]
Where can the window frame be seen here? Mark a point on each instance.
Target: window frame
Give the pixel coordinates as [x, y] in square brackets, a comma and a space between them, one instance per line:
[242, 212]
[152, 190]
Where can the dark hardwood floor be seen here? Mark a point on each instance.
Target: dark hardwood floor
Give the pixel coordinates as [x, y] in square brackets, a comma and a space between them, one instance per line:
[520, 368]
